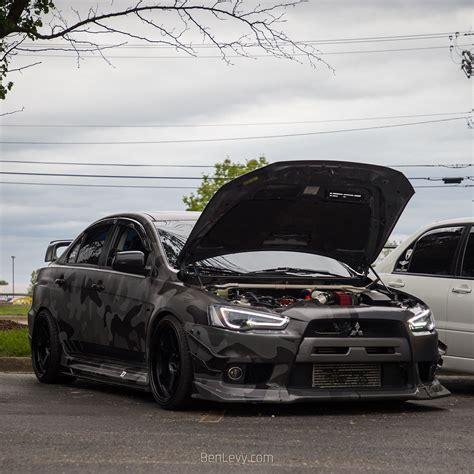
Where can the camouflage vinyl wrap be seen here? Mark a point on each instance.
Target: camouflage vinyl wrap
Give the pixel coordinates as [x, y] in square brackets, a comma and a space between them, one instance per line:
[108, 335]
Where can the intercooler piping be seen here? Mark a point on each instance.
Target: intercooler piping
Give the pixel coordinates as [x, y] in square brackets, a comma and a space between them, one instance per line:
[286, 286]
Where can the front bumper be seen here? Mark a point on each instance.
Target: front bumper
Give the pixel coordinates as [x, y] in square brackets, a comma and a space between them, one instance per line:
[217, 391]
[280, 364]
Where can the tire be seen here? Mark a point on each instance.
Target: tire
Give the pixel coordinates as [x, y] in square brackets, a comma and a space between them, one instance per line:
[46, 350]
[171, 371]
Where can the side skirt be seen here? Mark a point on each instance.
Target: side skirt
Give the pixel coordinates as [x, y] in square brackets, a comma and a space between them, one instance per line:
[108, 371]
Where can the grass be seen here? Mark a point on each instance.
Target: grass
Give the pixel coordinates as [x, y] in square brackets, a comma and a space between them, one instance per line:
[14, 343]
[14, 309]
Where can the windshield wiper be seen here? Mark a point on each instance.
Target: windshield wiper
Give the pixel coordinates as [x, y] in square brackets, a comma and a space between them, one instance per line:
[304, 271]
[211, 269]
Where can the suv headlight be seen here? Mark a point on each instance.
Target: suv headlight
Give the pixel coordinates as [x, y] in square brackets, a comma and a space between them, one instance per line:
[422, 322]
[245, 319]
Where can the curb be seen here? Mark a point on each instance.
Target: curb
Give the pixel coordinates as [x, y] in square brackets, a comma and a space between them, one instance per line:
[17, 319]
[16, 364]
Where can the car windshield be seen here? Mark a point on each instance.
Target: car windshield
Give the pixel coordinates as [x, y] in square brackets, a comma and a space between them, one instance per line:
[174, 233]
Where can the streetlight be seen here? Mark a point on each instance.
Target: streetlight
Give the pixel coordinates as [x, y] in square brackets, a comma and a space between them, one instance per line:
[13, 276]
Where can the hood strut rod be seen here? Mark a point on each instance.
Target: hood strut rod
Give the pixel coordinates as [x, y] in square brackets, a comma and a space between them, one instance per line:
[380, 280]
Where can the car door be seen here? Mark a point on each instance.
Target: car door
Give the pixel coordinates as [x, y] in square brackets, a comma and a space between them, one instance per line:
[460, 313]
[83, 281]
[126, 297]
[64, 295]
[426, 269]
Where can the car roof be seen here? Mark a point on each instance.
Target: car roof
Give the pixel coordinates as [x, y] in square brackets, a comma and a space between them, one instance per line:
[153, 215]
[457, 220]
[173, 215]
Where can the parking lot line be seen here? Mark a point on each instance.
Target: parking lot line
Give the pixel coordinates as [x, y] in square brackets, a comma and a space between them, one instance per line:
[215, 416]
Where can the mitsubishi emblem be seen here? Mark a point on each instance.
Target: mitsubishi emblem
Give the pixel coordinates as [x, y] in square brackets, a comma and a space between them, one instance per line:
[356, 330]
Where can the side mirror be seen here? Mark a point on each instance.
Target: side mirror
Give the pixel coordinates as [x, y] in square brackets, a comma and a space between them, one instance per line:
[53, 247]
[129, 262]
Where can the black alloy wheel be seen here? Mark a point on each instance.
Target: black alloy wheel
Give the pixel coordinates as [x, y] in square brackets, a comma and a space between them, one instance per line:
[42, 348]
[46, 350]
[171, 371]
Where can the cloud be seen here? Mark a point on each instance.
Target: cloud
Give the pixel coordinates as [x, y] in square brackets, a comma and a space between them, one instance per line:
[146, 91]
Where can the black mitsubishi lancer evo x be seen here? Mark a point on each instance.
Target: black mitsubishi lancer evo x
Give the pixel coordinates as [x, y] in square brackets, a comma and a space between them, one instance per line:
[263, 297]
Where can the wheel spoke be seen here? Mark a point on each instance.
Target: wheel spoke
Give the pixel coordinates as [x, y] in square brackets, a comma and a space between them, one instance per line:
[167, 362]
[45, 334]
[46, 359]
[42, 347]
[164, 349]
[172, 379]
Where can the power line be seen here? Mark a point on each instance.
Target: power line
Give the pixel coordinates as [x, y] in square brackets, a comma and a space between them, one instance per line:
[114, 176]
[446, 186]
[72, 175]
[228, 139]
[328, 41]
[443, 178]
[148, 165]
[233, 56]
[453, 166]
[132, 165]
[184, 125]
[97, 185]
[172, 187]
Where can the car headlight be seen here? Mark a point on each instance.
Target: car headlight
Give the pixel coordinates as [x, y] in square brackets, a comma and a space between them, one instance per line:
[422, 322]
[241, 319]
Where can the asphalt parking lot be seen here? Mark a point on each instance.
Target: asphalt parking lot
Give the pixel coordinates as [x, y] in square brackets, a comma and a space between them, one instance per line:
[87, 427]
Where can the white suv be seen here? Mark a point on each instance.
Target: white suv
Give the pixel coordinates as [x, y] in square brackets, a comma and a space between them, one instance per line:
[436, 264]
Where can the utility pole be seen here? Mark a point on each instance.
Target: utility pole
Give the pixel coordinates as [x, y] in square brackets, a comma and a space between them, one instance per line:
[13, 276]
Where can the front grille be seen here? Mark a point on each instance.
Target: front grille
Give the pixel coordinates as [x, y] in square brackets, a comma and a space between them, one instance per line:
[330, 350]
[343, 327]
[380, 350]
[339, 375]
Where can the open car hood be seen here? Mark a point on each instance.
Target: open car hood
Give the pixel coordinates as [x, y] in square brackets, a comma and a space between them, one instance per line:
[338, 209]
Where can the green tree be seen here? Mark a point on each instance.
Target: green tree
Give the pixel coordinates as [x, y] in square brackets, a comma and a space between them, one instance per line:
[223, 172]
[3, 282]
[33, 280]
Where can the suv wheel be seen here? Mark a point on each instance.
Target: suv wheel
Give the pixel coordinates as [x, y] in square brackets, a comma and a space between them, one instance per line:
[171, 372]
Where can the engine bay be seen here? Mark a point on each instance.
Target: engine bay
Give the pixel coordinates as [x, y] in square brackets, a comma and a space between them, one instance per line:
[275, 298]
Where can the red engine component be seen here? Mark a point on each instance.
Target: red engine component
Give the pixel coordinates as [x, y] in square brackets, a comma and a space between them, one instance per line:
[306, 294]
[343, 298]
[287, 300]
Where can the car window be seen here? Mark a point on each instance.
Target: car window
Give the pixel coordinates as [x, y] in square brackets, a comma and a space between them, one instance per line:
[128, 239]
[93, 245]
[173, 235]
[433, 253]
[404, 259]
[468, 261]
[71, 258]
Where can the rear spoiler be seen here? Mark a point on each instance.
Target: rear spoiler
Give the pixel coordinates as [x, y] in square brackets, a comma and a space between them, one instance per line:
[52, 250]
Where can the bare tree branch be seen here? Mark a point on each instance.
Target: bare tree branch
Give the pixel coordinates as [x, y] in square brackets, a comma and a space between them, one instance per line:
[22, 68]
[172, 20]
[12, 112]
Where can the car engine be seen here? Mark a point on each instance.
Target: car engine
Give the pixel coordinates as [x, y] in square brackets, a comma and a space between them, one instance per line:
[282, 298]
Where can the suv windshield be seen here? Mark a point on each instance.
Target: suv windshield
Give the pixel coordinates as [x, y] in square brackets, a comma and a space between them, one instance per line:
[173, 235]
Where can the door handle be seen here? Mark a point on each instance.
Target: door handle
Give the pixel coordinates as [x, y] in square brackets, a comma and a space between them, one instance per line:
[396, 284]
[463, 290]
[97, 287]
[60, 281]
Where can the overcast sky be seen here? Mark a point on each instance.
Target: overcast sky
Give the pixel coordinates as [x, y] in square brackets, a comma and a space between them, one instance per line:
[180, 90]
